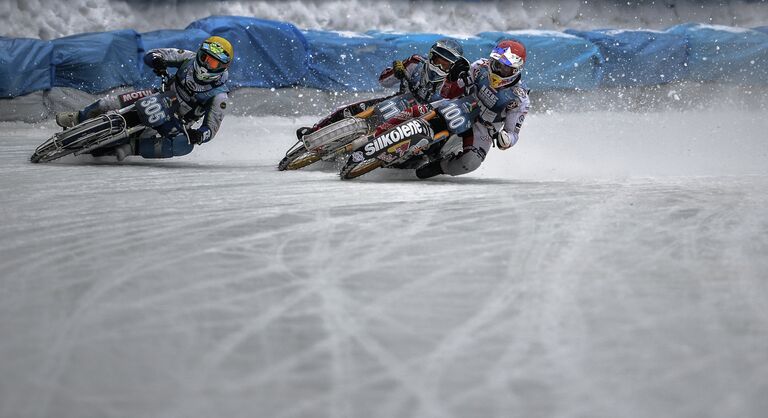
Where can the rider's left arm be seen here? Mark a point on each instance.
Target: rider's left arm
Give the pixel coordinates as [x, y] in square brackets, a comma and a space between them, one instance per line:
[172, 57]
[214, 114]
[513, 122]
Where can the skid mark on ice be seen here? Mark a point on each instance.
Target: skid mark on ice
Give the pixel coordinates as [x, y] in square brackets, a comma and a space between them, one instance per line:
[549, 312]
[341, 316]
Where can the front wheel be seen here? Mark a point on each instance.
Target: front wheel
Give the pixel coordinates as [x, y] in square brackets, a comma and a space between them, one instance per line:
[298, 158]
[80, 138]
[356, 169]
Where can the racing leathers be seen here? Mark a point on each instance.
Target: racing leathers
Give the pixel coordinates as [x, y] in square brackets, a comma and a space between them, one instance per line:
[502, 113]
[423, 90]
[197, 100]
[413, 80]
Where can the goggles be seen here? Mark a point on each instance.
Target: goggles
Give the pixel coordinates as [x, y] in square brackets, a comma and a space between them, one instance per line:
[505, 63]
[503, 70]
[439, 62]
[212, 57]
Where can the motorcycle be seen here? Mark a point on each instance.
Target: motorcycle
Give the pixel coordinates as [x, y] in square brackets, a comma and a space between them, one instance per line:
[336, 139]
[141, 112]
[414, 138]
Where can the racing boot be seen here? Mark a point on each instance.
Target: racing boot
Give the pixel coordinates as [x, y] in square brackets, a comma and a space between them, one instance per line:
[67, 119]
[125, 150]
[429, 170]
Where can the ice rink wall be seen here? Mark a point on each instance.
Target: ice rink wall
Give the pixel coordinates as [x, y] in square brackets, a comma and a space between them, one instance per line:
[278, 54]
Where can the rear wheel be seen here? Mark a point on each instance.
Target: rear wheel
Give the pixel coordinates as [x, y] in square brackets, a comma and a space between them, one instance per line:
[352, 169]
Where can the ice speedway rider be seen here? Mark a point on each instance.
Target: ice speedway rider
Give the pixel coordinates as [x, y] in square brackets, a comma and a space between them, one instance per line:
[425, 77]
[503, 99]
[199, 83]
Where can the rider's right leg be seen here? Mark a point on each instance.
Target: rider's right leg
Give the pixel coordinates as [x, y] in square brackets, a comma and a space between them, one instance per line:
[163, 147]
[101, 106]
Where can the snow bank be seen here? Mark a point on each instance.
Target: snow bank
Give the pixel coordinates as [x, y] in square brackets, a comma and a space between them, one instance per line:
[49, 19]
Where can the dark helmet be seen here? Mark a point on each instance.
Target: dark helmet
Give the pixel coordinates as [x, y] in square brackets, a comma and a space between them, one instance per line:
[441, 56]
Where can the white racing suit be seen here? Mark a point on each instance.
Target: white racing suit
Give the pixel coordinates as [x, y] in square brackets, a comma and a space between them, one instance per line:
[197, 100]
[505, 109]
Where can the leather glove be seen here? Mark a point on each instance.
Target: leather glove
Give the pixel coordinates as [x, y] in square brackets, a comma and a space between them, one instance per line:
[199, 136]
[158, 64]
[461, 66]
[399, 69]
[503, 141]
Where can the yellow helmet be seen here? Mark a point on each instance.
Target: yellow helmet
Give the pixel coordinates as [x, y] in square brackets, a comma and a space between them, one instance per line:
[213, 58]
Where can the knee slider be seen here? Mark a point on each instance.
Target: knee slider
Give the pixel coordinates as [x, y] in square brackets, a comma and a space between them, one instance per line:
[465, 162]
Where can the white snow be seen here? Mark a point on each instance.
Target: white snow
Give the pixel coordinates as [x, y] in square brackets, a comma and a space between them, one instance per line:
[48, 19]
[610, 264]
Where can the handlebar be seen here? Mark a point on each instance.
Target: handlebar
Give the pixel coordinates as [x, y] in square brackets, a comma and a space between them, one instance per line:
[164, 78]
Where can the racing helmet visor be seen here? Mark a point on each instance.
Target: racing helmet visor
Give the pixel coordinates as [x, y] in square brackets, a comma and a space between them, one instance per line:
[212, 57]
[439, 62]
[502, 70]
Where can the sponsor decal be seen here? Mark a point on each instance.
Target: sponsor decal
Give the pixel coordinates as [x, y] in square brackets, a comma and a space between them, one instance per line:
[519, 124]
[357, 156]
[389, 109]
[393, 136]
[488, 97]
[134, 95]
[387, 158]
[519, 92]
[488, 115]
[400, 150]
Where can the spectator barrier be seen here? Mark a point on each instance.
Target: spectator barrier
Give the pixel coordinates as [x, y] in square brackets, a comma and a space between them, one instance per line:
[277, 54]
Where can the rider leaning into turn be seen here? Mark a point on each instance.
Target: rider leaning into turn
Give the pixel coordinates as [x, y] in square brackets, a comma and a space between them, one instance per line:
[199, 84]
[423, 77]
[504, 103]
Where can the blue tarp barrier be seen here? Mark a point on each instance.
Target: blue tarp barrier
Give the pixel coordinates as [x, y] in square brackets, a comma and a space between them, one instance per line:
[720, 53]
[346, 62]
[267, 53]
[276, 54]
[638, 58]
[409, 44]
[95, 62]
[555, 60]
[25, 66]
[189, 39]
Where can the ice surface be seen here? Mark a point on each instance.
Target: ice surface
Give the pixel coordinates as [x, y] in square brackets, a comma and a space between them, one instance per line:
[610, 264]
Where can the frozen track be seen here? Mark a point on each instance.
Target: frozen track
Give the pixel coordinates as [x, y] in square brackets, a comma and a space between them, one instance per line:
[609, 265]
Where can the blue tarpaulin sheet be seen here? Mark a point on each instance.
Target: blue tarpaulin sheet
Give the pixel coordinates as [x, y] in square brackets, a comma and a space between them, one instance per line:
[25, 66]
[267, 53]
[95, 62]
[721, 53]
[555, 60]
[637, 57]
[277, 54]
[406, 45]
[340, 61]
